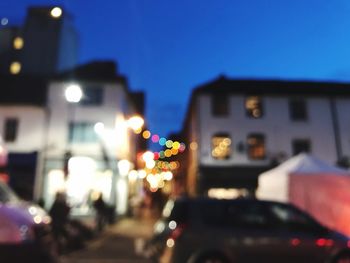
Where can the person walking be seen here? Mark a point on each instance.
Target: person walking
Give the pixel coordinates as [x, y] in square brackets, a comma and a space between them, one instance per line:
[59, 213]
[101, 212]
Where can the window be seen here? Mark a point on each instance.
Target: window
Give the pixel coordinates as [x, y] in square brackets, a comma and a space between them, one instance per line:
[15, 67]
[18, 43]
[11, 129]
[93, 96]
[221, 146]
[254, 107]
[301, 145]
[297, 109]
[293, 219]
[220, 105]
[256, 146]
[82, 133]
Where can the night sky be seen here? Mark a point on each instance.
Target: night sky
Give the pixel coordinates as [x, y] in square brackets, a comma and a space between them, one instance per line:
[166, 48]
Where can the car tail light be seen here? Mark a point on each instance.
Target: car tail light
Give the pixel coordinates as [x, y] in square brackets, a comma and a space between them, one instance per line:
[295, 242]
[323, 242]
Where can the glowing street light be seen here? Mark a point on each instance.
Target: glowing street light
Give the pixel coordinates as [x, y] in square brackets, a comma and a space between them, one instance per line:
[135, 123]
[56, 12]
[73, 93]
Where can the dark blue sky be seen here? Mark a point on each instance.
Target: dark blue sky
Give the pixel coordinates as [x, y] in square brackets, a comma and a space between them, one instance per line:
[168, 47]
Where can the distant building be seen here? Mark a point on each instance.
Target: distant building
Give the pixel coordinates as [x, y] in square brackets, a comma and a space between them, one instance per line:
[237, 129]
[46, 44]
[82, 147]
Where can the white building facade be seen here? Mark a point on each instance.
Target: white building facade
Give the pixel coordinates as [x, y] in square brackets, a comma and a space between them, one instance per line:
[239, 128]
[80, 148]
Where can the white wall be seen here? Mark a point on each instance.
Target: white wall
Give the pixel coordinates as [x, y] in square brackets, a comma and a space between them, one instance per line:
[275, 124]
[31, 127]
[62, 112]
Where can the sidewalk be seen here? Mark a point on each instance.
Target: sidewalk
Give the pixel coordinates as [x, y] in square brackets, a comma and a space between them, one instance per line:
[120, 242]
[133, 227]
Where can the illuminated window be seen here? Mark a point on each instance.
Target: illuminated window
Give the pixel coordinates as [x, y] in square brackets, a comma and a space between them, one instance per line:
[297, 109]
[256, 146]
[301, 146]
[254, 107]
[18, 43]
[15, 67]
[221, 146]
[220, 105]
[11, 129]
[82, 132]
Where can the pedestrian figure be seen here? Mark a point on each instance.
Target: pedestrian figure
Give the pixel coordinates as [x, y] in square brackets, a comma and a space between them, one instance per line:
[59, 213]
[101, 212]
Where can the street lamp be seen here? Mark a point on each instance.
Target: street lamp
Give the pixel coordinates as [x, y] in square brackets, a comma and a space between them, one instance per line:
[135, 123]
[73, 94]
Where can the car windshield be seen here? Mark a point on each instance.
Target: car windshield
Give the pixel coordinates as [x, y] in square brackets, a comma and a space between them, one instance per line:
[6, 194]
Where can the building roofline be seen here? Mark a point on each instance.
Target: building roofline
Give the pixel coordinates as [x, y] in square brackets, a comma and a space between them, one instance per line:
[269, 87]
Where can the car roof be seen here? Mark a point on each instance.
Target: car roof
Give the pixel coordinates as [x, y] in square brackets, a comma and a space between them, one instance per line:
[237, 201]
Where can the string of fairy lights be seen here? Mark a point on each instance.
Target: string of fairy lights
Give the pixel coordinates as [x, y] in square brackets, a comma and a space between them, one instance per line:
[173, 147]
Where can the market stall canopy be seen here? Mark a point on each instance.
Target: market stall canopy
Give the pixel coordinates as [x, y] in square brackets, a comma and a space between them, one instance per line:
[274, 184]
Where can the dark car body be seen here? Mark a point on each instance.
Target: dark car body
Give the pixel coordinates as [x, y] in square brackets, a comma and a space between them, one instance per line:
[196, 230]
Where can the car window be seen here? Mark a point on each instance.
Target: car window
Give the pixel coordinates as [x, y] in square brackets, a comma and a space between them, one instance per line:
[234, 214]
[293, 218]
[248, 215]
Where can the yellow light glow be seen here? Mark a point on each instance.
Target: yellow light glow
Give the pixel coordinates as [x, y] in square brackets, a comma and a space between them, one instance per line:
[135, 123]
[56, 12]
[176, 145]
[15, 67]
[138, 131]
[37, 219]
[168, 153]
[193, 146]
[169, 143]
[146, 134]
[170, 242]
[18, 43]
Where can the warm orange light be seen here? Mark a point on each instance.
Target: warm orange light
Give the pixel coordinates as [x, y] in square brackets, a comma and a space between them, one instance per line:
[18, 43]
[135, 123]
[146, 134]
[15, 67]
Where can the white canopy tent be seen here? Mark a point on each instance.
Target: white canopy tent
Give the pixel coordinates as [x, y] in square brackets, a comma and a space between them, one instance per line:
[274, 184]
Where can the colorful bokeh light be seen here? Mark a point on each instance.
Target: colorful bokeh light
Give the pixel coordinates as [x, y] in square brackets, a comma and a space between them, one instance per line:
[146, 134]
[155, 138]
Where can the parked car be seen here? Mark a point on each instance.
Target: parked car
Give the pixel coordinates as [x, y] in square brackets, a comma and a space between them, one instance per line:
[25, 232]
[211, 230]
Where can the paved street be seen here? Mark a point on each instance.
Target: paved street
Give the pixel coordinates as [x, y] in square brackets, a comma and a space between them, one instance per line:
[117, 243]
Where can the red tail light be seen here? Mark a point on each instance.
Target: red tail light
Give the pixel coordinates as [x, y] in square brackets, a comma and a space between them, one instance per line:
[295, 242]
[323, 242]
[176, 233]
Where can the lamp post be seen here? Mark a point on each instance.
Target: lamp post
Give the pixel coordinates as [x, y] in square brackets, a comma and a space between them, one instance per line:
[73, 94]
